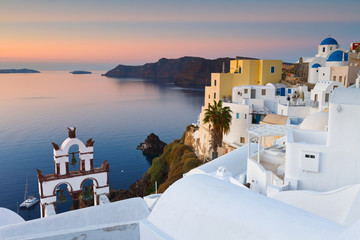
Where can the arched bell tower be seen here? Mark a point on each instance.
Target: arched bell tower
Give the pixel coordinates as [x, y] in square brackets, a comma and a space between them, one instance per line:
[74, 179]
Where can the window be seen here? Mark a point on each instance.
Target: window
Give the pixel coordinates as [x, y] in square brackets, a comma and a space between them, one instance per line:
[326, 97]
[214, 82]
[310, 161]
[239, 93]
[209, 96]
[242, 140]
[245, 91]
[340, 79]
[289, 90]
[334, 87]
[245, 116]
[214, 95]
[239, 69]
[334, 78]
[323, 74]
[237, 115]
[272, 69]
[263, 91]
[330, 48]
[317, 70]
[323, 49]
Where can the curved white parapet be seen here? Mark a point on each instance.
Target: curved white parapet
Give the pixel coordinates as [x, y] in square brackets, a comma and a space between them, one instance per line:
[118, 220]
[341, 205]
[8, 217]
[235, 162]
[204, 207]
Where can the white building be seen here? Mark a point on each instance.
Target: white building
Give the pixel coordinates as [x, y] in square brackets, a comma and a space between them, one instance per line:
[251, 103]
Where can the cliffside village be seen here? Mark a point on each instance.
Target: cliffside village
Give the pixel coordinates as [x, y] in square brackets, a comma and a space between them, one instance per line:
[287, 169]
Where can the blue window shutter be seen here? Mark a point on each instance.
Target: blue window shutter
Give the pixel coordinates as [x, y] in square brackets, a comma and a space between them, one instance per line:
[237, 115]
[239, 69]
[272, 69]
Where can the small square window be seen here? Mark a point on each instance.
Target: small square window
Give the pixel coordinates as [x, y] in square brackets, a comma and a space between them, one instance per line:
[242, 140]
[245, 90]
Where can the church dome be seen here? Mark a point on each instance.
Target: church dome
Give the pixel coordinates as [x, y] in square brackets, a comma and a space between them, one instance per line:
[329, 41]
[337, 56]
[316, 121]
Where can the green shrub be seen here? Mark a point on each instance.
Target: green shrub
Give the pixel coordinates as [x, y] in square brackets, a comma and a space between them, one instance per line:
[158, 169]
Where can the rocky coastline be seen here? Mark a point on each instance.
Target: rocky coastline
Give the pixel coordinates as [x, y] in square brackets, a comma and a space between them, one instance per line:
[176, 159]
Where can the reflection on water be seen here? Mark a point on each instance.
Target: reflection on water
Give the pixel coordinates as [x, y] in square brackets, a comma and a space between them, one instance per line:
[117, 113]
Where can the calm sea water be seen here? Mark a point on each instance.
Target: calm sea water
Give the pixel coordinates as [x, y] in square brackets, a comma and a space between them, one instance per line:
[36, 109]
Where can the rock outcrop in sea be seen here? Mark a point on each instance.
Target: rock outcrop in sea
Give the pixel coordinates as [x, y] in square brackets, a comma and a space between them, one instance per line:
[152, 145]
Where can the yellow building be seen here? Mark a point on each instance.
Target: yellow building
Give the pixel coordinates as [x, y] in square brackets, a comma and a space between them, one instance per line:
[242, 72]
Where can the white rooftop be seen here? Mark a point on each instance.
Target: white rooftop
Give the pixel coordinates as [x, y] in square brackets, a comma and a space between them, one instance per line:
[346, 96]
[267, 130]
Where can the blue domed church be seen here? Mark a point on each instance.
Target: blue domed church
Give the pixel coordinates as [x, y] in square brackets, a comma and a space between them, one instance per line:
[329, 56]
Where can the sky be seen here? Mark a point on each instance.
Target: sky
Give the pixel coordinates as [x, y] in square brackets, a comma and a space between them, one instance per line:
[98, 35]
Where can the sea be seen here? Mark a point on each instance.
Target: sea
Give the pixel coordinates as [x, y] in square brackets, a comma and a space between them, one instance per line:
[118, 113]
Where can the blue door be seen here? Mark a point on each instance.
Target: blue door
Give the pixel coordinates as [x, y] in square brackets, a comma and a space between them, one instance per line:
[282, 91]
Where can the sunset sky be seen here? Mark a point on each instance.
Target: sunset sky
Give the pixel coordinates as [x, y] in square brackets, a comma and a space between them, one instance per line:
[99, 34]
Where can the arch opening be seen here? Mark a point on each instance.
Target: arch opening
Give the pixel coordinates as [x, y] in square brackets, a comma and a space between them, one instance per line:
[63, 198]
[74, 158]
[87, 197]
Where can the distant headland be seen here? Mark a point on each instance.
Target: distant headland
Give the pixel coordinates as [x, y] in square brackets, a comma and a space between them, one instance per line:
[23, 70]
[184, 72]
[80, 72]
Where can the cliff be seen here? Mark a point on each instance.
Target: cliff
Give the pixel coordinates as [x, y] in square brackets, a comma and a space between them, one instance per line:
[184, 72]
[178, 158]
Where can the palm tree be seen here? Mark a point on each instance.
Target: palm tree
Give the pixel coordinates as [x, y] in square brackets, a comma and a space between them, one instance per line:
[219, 118]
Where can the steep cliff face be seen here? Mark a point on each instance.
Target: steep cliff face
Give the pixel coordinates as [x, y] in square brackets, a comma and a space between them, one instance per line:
[185, 71]
[178, 158]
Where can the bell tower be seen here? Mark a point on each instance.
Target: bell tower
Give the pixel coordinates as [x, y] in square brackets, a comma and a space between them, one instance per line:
[73, 179]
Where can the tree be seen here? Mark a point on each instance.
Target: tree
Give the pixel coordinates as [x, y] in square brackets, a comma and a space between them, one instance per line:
[219, 118]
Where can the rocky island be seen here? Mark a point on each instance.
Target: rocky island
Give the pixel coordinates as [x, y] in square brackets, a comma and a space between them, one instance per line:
[80, 72]
[184, 72]
[23, 70]
[152, 146]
